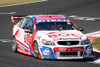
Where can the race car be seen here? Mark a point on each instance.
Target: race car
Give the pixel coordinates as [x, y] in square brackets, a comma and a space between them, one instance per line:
[49, 37]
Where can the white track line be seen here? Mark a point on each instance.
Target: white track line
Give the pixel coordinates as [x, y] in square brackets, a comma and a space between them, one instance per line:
[7, 13]
[97, 33]
[84, 18]
[23, 3]
[5, 40]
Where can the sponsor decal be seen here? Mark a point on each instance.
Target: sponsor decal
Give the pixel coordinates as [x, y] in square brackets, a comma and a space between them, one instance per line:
[51, 17]
[62, 34]
[87, 52]
[68, 23]
[21, 46]
[52, 20]
[24, 52]
[68, 49]
[47, 52]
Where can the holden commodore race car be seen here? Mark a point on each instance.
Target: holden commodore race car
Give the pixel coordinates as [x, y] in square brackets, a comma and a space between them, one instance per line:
[49, 37]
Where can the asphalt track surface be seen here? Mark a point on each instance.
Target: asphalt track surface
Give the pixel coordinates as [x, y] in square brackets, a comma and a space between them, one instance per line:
[89, 8]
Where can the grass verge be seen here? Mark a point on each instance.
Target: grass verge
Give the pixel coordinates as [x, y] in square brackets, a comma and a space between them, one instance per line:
[10, 2]
[96, 44]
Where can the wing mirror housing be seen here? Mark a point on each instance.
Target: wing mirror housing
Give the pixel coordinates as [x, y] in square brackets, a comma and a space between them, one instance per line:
[81, 29]
[28, 31]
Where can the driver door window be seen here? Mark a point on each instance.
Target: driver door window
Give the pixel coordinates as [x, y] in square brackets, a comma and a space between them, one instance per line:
[26, 23]
[29, 24]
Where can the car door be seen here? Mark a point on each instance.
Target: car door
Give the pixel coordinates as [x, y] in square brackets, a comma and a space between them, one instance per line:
[28, 31]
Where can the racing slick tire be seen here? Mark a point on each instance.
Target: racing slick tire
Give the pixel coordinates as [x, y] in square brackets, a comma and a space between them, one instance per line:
[36, 50]
[14, 44]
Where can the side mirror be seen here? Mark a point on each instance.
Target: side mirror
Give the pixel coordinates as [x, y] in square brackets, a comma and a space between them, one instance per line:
[81, 29]
[28, 31]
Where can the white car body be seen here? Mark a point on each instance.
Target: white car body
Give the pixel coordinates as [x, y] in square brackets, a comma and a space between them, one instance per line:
[52, 44]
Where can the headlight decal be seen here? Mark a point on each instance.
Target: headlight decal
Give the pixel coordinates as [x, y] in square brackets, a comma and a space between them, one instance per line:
[87, 41]
[45, 42]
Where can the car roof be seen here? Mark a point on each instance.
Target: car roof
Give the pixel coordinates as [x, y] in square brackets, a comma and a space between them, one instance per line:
[42, 17]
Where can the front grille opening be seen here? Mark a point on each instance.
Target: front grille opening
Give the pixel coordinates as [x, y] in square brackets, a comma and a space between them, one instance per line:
[81, 53]
[68, 42]
[69, 54]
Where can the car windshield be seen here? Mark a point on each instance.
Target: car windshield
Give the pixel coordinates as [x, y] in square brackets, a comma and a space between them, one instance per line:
[55, 26]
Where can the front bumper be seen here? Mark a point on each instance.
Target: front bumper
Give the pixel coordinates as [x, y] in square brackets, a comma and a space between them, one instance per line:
[66, 52]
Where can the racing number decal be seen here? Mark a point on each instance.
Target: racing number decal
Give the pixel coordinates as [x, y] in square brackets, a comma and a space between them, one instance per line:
[27, 39]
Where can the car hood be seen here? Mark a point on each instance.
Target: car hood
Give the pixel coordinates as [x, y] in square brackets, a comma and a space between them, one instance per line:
[61, 35]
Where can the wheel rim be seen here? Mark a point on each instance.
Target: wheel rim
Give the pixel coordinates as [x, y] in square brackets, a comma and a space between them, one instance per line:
[35, 50]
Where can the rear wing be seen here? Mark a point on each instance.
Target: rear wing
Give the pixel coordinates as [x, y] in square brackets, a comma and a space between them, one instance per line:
[17, 17]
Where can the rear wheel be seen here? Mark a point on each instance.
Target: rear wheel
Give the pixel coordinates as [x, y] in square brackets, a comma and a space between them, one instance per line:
[14, 45]
[36, 50]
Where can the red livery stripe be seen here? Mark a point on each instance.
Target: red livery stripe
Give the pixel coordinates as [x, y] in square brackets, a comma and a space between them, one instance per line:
[68, 49]
[16, 32]
[22, 44]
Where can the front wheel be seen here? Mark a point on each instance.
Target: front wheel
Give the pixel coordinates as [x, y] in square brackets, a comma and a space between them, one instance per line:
[36, 50]
[14, 44]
